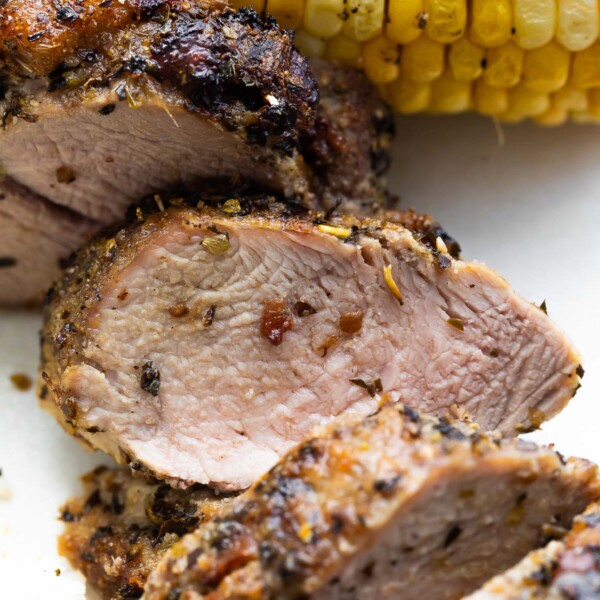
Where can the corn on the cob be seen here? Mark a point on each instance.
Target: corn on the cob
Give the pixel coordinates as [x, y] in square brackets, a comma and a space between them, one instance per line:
[511, 59]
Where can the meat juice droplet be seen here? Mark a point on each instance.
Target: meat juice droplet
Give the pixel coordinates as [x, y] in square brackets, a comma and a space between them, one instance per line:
[276, 320]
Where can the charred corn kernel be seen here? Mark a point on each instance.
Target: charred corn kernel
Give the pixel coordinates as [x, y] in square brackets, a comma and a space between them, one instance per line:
[381, 60]
[446, 19]
[310, 45]
[527, 103]
[577, 23]
[553, 117]
[288, 13]
[586, 68]
[323, 18]
[491, 22]
[408, 97]
[364, 19]
[449, 95]
[546, 69]
[344, 49]
[534, 22]
[466, 60]
[405, 20]
[503, 66]
[488, 100]
[422, 60]
[570, 99]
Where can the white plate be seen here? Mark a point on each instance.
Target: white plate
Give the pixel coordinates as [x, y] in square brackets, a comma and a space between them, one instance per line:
[529, 208]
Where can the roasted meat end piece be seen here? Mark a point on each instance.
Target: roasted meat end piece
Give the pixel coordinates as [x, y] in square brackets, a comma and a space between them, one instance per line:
[118, 531]
[396, 506]
[203, 343]
[568, 569]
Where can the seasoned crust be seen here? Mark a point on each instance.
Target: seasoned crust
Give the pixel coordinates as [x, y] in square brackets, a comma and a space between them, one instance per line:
[121, 527]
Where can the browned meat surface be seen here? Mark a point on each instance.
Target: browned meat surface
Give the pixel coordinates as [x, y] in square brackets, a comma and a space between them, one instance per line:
[395, 506]
[118, 531]
[105, 103]
[563, 570]
[200, 344]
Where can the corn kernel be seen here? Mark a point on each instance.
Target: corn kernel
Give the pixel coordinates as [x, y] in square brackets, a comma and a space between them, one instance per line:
[503, 66]
[446, 19]
[594, 102]
[344, 49]
[546, 69]
[586, 68]
[511, 116]
[465, 60]
[323, 18]
[553, 117]
[570, 99]
[491, 22]
[423, 60]
[364, 19]
[534, 22]
[405, 20]
[449, 95]
[310, 45]
[381, 60]
[577, 27]
[288, 13]
[527, 103]
[488, 100]
[408, 97]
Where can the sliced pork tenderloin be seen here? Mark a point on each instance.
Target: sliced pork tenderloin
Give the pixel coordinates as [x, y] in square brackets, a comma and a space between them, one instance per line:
[200, 344]
[118, 531]
[36, 236]
[394, 506]
[563, 570]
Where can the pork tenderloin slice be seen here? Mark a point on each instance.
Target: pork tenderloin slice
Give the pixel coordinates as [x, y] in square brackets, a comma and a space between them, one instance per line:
[397, 505]
[201, 346]
[121, 527]
[563, 570]
[35, 237]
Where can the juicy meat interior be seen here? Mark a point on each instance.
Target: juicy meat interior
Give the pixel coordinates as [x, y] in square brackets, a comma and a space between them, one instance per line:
[201, 344]
[395, 506]
[568, 569]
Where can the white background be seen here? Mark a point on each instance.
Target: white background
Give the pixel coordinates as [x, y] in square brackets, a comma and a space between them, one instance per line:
[529, 208]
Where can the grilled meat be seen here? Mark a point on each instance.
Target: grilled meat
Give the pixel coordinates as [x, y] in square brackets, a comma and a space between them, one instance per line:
[104, 103]
[563, 570]
[200, 344]
[395, 506]
[118, 531]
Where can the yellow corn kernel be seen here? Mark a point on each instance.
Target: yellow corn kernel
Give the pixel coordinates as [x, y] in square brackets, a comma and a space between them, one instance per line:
[288, 13]
[570, 99]
[344, 49]
[310, 45]
[491, 22]
[594, 102]
[449, 95]
[465, 60]
[553, 117]
[364, 19]
[511, 116]
[527, 103]
[404, 18]
[577, 23]
[408, 97]
[323, 18]
[534, 22]
[586, 67]
[488, 100]
[584, 118]
[257, 5]
[381, 60]
[423, 60]
[504, 65]
[446, 19]
[546, 69]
